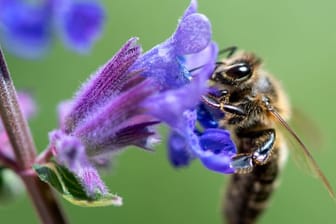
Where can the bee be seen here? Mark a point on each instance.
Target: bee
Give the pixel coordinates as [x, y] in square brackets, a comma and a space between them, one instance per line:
[256, 110]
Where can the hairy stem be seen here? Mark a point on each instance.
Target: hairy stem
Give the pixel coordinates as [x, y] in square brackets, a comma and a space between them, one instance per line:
[21, 140]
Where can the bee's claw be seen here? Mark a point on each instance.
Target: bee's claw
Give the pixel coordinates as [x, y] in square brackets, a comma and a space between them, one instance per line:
[242, 163]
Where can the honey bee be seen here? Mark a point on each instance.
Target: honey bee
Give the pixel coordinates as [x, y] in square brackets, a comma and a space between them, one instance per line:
[256, 112]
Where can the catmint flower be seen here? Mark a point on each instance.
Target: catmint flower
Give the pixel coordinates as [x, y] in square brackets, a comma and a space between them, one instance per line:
[181, 66]
[123, 101]
[105, 116]
[26, 27]
[80, 23]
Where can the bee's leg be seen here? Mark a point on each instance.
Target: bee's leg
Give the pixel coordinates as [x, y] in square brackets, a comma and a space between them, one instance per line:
[211, 101]
[263, 152]
[214, 99]
[233, 109]
[216, 104]
[244, 162]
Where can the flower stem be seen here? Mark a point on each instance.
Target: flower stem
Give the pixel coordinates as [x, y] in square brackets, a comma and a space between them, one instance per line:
[21, 140]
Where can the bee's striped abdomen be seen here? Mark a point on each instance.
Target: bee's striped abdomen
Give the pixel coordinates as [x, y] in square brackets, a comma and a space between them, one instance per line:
[248, 194]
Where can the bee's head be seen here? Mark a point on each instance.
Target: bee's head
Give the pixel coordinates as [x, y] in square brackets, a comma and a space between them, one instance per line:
[236, 70]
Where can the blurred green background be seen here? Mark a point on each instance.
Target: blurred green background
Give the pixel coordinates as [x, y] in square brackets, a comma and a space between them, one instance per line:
[296, 39]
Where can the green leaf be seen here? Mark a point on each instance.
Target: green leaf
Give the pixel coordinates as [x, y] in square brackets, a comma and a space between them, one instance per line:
[70, 187]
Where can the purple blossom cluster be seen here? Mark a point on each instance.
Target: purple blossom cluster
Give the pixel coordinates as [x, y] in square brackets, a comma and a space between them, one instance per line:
[121, 104]
[27, 27]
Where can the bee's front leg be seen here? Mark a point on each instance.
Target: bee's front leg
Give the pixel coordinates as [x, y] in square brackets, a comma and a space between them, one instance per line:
[215, 100]
[220, 103]
[244, 162]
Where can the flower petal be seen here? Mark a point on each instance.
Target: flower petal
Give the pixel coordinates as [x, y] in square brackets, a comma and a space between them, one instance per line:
[165, 62]
[169, 105]
[69, 150]
[162, 65]
[218, 163]
[218, 149]
[203, 61]
[205, 118]
[178, 153]
[192, 35]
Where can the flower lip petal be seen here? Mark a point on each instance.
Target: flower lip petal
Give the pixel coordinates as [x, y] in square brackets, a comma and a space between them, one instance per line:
[217, 141]
[193, 34]
[178, 153]
[217, 163]
[217, 150]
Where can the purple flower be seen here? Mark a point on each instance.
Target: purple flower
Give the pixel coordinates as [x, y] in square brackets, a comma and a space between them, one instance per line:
[26, 28]
[166, 62]
[105, 116]
[181, 66]
[80, 23]
[213, 146]
[120, 104]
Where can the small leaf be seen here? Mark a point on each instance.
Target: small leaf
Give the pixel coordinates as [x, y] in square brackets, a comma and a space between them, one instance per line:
[47, 174]
[73, 185]
[69, 186]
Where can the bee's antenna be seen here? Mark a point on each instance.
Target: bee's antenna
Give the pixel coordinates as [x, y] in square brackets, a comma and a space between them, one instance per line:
[229, 50]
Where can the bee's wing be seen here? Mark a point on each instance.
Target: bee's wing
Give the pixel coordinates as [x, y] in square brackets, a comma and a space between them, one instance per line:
[308, 129]
[301, 151]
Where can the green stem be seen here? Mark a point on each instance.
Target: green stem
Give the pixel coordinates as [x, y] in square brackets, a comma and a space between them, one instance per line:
[21, 140]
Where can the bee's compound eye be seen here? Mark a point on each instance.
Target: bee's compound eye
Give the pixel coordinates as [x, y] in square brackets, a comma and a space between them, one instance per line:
[239, 71]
